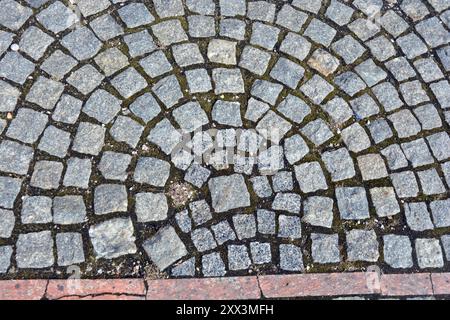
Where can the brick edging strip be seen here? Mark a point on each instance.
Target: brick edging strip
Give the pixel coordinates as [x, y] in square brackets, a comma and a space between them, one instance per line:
[231, 288]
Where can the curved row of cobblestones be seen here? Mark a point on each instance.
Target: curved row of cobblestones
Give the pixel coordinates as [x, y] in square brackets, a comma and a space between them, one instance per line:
[213, 138]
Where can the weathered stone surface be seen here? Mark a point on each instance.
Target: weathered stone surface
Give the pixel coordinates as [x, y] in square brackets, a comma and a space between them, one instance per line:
[229, 192]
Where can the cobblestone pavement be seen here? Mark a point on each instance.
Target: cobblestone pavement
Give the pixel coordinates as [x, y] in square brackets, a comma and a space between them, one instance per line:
[218, 138]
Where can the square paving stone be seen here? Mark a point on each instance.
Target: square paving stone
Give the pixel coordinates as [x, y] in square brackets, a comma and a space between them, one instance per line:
[165, 136]
[417, 216]
[129, 82]
[78, 173]
[295, 148]
[317, 131]
[36, 209]
[223, 232]
[201, 26]
[5, 258]
[287, 72]
[109, 198]
[228, 81]
[85, 79]
[45, 93]
[355, 138]
[261, 10]
[197, 175]
[69, 210]
[165, 247]
[14, 15]
[388, 96]
[203, 239]
[89, 138]
[232, 28]
[290, 202]
[198, 80]
[9, 190]
[89, 8]
[139, 43]
[47, 175]
[282, 181]
[324, 62]
[441, 91]
[310, 177]
[34, 42]
[244, 225]
[9, 96]
[362, 245]
[370, 72]
[294, 108]
[57, 17]
[428, 69]
[261, 252]
[102, 106]
[212, 265]
[55, 142]
[15, 157]
[339, 164]
[113, 238]
[255, 109]
[325, 248]
[312, 6]
[397, 251]
[15, 67]
[364, 107]
[168, 91]
[205, 7]
[433, 32]
[82, 43]
[69, 246]
[151, 207]
[156, 64]
[431, 182]
[34, 250]
[429, 253]
[415, 9]
[400, 68]
[385, 202]
[352, 203]
[440, 145]
[417, 152]
[106, 27]
[126, 130]
[229, 192]
[168, 8]
[380, 130]
[187, 54]
[372, 167]
[291, 18]
[295, 46]
[413, 93]
[152, 171]
[264, 36]
[200, 212]
[405, 184]
[350, 83]
[238, 258]
[184, 221]
[318, 211]
[261, 186]
[111, 61]
[114, 165]
[338, 109]
[364, 28]
[135, 15]
[289, 227]
[266, 91]
[222, 51]
[339, 12]
[320, 32]
[255, 60]
[381, 48]
[8, 220]
[169, 32]
[266, 221]
[233, 8]
[412, 46]
[393, 23]
[348, 49]
[227, 113]
[58, 64]
[190, 116]
[440, 213]
[291, 258]
[145, 107]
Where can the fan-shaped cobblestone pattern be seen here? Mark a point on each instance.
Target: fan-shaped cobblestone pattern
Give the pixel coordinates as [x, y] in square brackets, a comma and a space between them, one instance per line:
[216, 138]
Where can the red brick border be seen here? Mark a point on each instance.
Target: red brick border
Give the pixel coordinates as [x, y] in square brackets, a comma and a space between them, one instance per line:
[232, 288]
